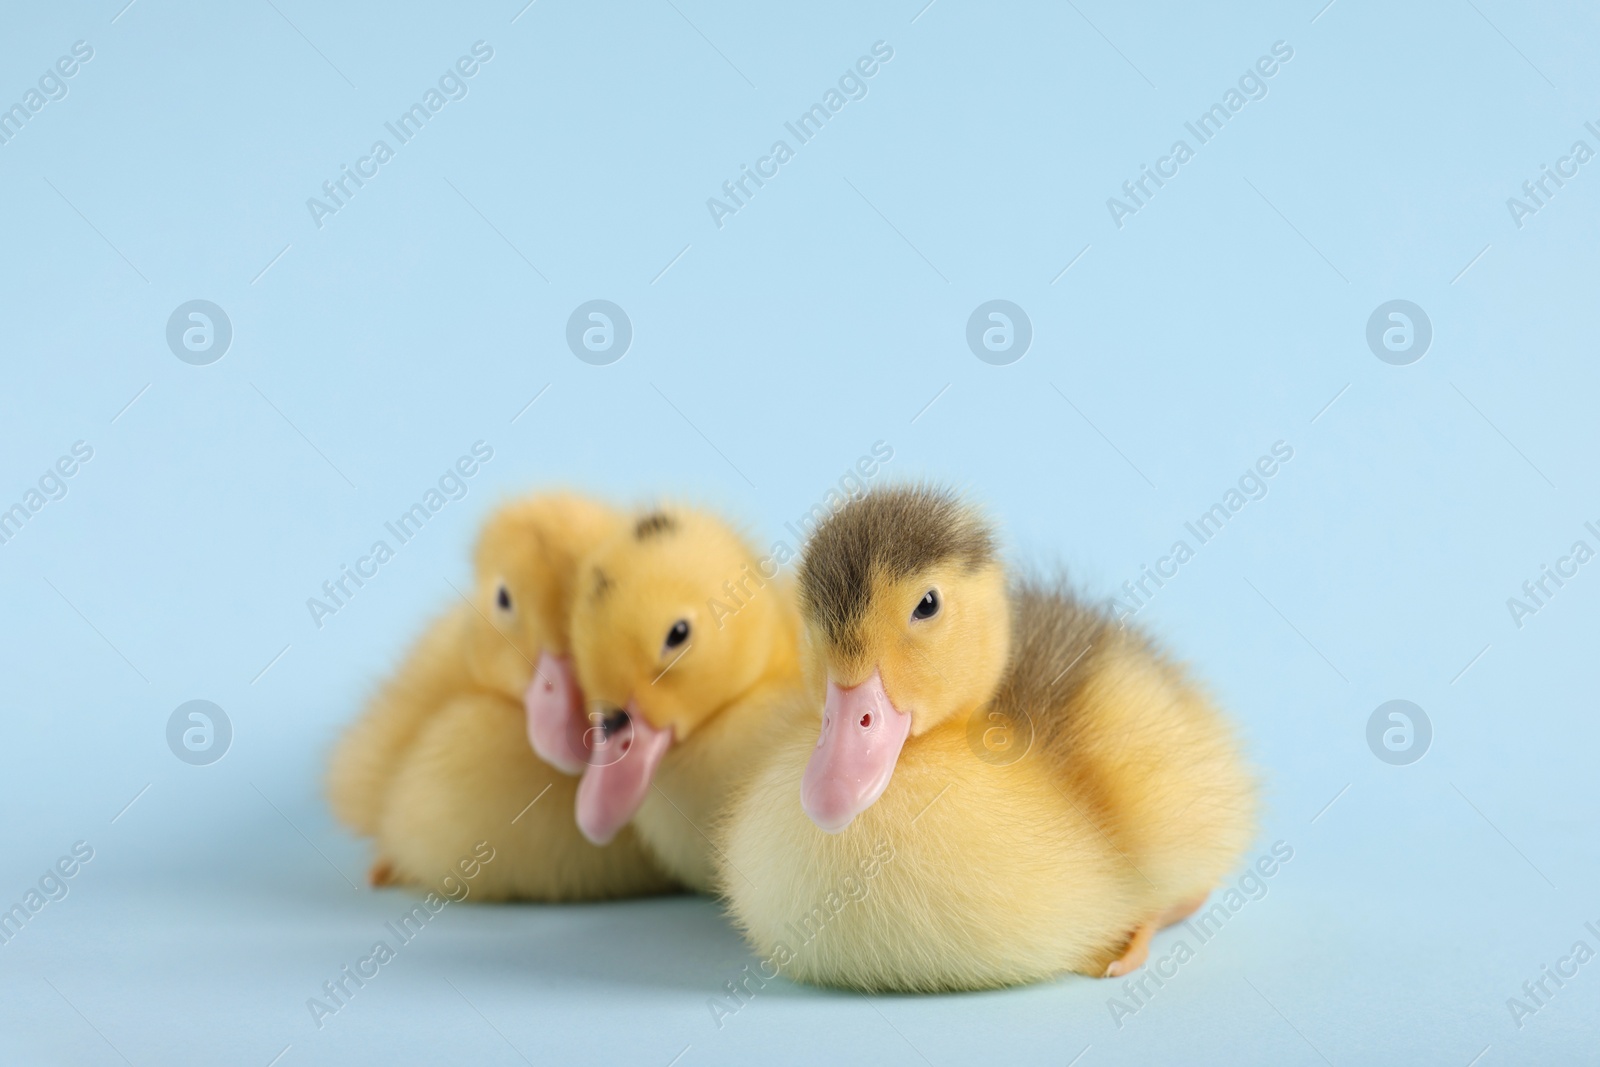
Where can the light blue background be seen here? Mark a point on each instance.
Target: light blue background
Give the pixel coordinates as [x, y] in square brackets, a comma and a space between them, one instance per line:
[824, 316]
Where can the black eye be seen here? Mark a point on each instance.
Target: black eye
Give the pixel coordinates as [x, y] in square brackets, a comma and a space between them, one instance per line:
[502, 598]
[927, 607]
[678, 634]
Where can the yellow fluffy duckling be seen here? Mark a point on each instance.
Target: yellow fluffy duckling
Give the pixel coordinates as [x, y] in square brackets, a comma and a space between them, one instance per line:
[441, 758]
[1007, 785]
[686, 648]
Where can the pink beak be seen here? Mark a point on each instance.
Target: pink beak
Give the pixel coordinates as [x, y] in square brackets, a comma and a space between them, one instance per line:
[622, 765]
[555, 714]
[862, 735]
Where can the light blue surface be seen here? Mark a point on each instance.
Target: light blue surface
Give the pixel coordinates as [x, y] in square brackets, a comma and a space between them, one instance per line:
[1227, 314]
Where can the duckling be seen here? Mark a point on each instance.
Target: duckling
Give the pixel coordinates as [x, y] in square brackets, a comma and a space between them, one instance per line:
[1007, 785]
[686, 647]
[444, 755]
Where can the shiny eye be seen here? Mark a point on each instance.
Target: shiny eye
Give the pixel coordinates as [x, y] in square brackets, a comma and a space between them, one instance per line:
[502, 597]
[678, 634]
[927, 607]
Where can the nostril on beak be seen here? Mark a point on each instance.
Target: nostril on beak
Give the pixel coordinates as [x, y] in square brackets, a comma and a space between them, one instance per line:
[866, 720]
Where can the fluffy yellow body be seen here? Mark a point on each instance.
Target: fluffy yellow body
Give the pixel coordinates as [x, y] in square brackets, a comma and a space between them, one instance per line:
[1063, 788]
[439, 759]
[993, 873]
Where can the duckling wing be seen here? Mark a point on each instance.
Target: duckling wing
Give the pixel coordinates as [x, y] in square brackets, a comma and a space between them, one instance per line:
[1128, 738]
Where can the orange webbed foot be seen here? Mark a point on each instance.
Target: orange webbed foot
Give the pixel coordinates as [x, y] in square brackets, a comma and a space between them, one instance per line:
[1135, 954]
[381, 873]
[1138, 950]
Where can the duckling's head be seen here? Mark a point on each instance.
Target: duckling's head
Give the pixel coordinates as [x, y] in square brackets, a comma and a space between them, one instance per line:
[518, 642]
[906, 614]
[660, 652]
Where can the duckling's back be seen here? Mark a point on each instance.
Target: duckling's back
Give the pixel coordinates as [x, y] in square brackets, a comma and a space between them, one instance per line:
[1128, 738]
